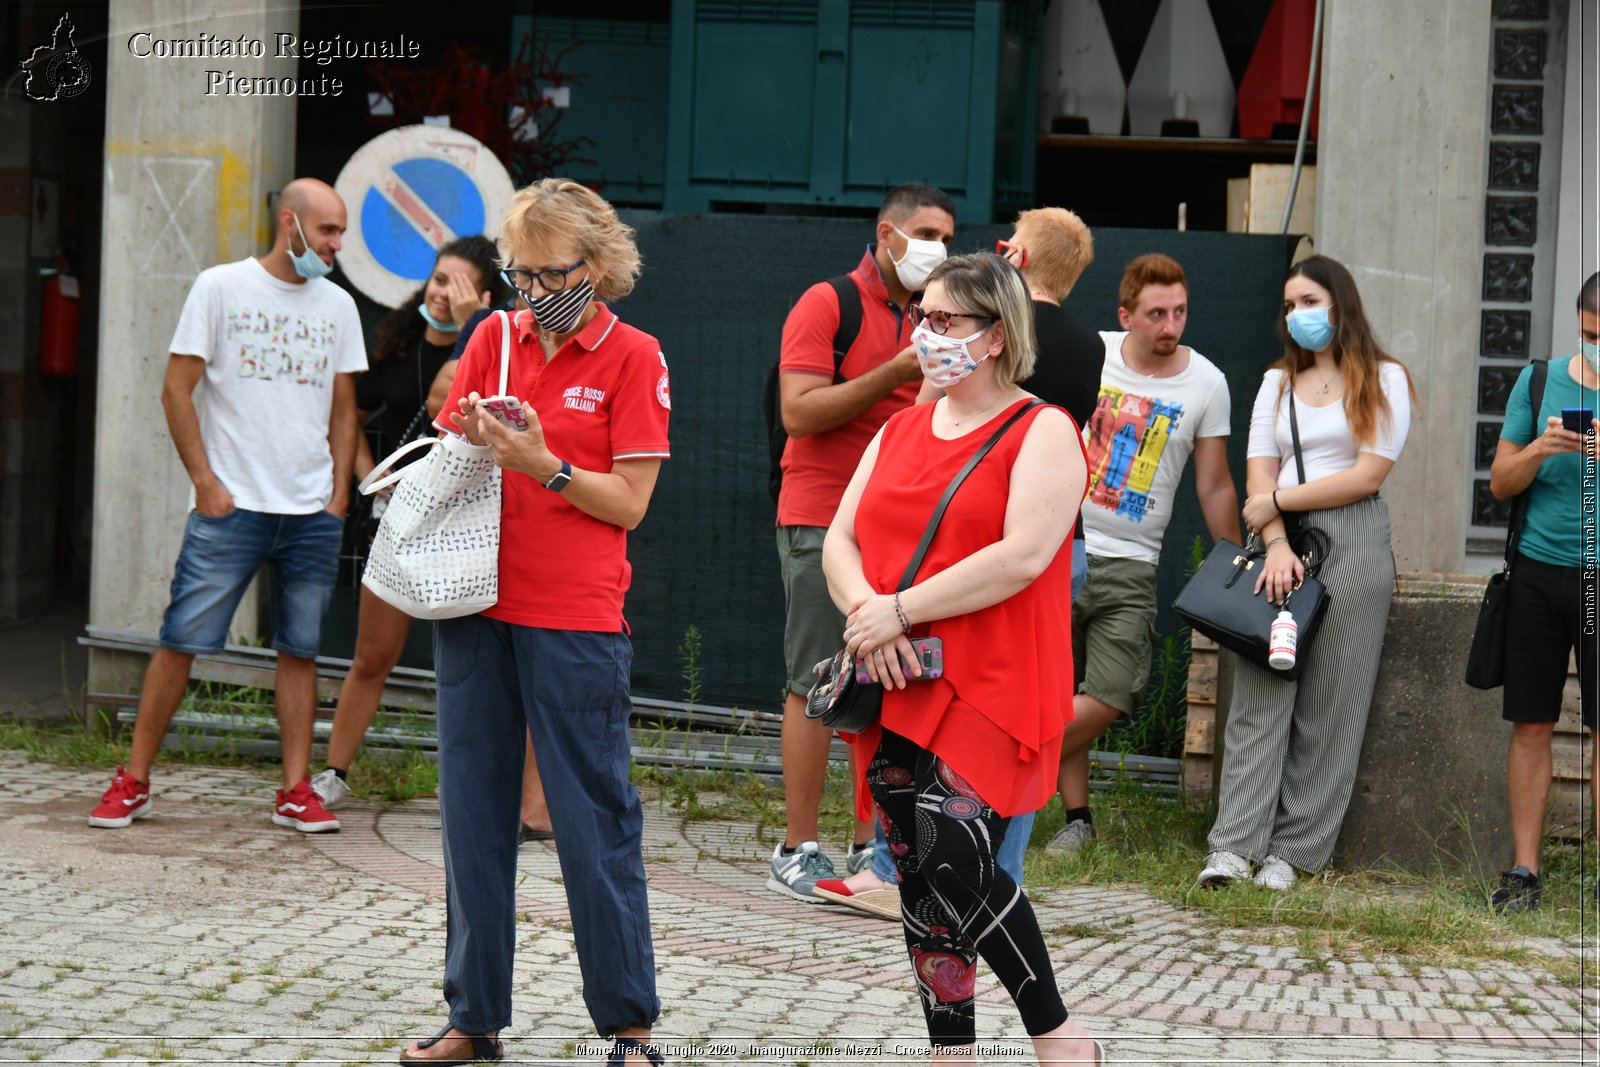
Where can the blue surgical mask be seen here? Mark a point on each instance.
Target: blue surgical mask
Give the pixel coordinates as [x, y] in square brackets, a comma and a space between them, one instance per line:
[1311, 329]
[1591, 354]
[443, 327]
[308, 264]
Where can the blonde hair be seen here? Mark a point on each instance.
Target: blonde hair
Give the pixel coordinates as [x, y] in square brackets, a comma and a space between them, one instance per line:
[1060, 248]
[555, 211]
[985, 285]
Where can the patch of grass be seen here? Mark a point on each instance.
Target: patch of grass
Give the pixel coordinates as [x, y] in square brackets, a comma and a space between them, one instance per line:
[378, 774]
[1158, 845]
[394, 776]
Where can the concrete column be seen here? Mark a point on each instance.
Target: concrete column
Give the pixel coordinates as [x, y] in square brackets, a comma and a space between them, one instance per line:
[1400, 178]
[186, 181]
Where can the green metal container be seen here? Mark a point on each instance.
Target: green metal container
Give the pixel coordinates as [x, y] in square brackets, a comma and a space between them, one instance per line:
[831, 102]
[619, 100]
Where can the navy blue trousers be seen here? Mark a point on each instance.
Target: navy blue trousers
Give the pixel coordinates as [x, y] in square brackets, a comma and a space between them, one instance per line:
[570, 688]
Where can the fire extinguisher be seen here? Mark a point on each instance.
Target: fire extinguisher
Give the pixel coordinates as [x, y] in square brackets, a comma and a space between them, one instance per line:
[58, 321]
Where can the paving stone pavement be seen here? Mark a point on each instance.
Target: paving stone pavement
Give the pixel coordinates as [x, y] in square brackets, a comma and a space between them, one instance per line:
[206, 934]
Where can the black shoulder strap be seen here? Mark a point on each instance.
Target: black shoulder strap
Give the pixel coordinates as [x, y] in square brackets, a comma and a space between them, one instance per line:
[849, 321]
[950, 491]
[1294, 432]
[1519, 504]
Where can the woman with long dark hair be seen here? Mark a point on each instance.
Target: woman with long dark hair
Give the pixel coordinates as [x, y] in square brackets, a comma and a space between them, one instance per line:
[413, 342]
[1292, 746]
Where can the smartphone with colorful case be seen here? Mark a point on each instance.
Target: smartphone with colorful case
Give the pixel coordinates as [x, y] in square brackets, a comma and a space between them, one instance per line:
[507, 409]
[929, 652]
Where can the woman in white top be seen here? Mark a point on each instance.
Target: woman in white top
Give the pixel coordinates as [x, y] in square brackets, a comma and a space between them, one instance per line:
[1292, 746]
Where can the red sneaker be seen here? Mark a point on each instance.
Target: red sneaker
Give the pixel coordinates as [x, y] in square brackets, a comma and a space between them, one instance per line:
[124, 802]
[302, 809]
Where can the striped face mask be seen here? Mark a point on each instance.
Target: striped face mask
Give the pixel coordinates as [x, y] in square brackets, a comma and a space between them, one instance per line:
[559, 312]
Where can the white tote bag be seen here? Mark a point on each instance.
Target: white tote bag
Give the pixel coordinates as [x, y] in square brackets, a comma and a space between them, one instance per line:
[436, 554]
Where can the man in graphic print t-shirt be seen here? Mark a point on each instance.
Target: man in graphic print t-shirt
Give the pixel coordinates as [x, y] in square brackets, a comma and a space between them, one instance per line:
[1159, 402]
[270, 460]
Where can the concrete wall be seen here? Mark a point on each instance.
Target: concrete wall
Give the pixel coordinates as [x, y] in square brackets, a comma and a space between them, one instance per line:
[1401, 166]
[186, 181]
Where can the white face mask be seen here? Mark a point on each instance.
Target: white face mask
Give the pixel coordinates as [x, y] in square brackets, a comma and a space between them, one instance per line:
[918, 262]
[945, 360]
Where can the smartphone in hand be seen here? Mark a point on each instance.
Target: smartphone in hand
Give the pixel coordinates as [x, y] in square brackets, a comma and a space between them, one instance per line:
[1578, 420]
[930, 654]
[507, 409]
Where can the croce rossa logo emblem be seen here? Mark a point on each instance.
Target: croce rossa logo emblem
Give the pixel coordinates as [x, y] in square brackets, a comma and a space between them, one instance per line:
[58, 70]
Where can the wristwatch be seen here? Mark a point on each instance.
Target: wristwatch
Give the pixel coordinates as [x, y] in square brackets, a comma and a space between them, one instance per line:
[560, 479]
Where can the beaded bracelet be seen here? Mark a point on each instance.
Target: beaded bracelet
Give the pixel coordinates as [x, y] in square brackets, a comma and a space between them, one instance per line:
[905, 624]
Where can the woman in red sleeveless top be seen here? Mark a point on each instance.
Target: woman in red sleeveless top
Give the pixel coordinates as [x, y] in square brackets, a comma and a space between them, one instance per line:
[954, 757]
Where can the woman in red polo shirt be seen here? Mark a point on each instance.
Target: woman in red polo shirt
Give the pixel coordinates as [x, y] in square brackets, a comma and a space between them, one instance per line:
[953, 758]
[553, 655]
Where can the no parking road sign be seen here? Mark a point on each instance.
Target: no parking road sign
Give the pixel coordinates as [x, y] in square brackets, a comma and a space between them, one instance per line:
[409, 191]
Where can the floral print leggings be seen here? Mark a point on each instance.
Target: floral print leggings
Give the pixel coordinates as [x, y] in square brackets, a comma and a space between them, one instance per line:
[956, 904]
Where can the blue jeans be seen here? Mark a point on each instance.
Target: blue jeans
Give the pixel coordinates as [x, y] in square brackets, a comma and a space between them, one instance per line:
[219, 557]
[1020, 828]
[570, 690]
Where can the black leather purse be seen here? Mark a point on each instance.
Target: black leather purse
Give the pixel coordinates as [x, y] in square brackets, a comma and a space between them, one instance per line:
[1486, 660]
[1220, 600]
[841, 702]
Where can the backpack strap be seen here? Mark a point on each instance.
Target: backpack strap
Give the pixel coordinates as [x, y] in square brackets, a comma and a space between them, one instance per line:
[844, 287]
[1519, 504]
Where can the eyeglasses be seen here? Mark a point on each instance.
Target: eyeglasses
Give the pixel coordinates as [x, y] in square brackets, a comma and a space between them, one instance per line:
[939, 321]
[1005, 248]
[551, 280]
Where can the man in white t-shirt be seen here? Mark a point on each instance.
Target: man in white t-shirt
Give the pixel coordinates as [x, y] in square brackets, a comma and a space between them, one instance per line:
[1159, 402]
[271, 457]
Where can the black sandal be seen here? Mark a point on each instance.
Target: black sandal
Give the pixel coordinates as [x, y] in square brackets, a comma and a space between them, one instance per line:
[625, 1045]
[484, 1049]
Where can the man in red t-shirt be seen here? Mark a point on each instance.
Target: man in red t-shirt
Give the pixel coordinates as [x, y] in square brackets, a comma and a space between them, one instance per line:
[830, 423]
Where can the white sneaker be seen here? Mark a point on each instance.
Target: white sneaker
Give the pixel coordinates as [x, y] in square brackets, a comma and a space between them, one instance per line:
[1071, 837]
[330, 787]
[1275, 873]
[1223, 867]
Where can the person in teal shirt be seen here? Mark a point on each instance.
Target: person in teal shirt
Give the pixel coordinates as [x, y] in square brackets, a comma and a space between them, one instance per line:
[1552, 596]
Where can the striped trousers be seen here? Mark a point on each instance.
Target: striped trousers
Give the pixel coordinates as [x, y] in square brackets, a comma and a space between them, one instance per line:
[1291, 748]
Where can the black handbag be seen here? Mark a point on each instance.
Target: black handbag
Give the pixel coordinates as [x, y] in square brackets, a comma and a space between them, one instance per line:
[839, 700]
[1221, 602]
[1486, 660]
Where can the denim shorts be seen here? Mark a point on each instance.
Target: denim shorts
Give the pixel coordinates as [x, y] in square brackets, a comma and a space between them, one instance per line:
[220, 556]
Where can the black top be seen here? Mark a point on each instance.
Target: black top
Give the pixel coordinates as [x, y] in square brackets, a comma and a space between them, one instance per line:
[476, 320]
[393, 391]
[1070, 359]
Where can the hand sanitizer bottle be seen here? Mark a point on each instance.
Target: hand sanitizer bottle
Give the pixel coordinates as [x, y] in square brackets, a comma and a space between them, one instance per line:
[1281, 641]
